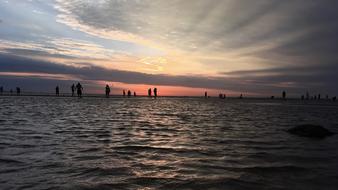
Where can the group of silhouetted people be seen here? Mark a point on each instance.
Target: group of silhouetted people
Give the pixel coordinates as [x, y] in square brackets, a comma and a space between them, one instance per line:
[78, 89]
[150, 94]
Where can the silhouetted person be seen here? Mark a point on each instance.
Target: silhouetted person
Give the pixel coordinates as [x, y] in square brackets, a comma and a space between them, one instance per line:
[241, 96]
[327, 96]
[302, 97]
[284, 95]
[107, 91]
[334, 98]
[315, 97]
[205, 94]
[149, 92]
[1, 90]
[134, 94]
[73, 90]
[155, 92]
[18, 91]
[79, 89]
[129, 93]
[224, 96]
[272, 97]
[220, 95]
[307, 95]
[318, 96]
[57, 91]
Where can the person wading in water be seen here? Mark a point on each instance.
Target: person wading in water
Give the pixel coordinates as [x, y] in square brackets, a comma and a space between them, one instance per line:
[79, 90]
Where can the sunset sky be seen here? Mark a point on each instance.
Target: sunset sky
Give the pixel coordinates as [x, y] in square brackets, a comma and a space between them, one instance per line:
[182, 47]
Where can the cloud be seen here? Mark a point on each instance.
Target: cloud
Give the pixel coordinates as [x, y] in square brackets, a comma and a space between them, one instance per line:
[255, 30]
[248, 81]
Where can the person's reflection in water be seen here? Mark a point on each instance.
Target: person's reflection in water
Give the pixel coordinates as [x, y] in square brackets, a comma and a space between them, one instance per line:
[107, 91]
[79, 89]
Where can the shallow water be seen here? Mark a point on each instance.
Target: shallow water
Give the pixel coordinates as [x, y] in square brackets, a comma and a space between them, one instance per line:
[168, 143]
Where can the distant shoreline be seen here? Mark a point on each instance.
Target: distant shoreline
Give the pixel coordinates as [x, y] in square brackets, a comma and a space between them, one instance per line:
[6, 94]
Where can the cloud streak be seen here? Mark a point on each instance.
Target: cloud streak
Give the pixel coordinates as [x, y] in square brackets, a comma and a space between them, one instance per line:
[260, 81]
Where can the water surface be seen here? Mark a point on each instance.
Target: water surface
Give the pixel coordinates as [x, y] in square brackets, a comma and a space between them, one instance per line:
[167, 143]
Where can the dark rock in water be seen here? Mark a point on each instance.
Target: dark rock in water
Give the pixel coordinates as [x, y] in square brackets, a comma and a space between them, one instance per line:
[313, 131]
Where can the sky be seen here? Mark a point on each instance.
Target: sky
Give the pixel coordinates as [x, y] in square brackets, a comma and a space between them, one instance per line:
[182, 47]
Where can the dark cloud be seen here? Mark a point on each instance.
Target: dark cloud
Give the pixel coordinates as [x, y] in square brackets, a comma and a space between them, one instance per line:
[29, 52]
[268, 81]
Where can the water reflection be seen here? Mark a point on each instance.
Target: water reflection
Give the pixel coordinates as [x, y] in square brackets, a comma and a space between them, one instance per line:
[165, 143]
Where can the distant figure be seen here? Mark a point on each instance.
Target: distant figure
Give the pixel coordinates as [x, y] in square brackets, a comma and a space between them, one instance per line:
[272, 97]
[149, 92]
[11, 92]
[302, 98]
[205, 94]
[134, 94]
[307, 95]
[129, 93]
[1, 90]
[155, 92]
[107, 91]
[57, 91]
[327, 96]
[18, 91]
[224, 96]
[334, 98]
[315, 97]
[241, 96]
[73, 90]
[79, 89]
[124, 93]
[318, 96]
[284, 95]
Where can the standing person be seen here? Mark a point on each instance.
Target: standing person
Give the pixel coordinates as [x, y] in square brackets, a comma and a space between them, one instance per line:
[129, 93]
[205, 94]
[155, 92]
[18, 91]
[284, 95]
[241, 96]
[79, 89]
[1, 90]
[107, 91]
[149, 92]
[134, 94]
[73, 90]
[57, 91]
[124, 93]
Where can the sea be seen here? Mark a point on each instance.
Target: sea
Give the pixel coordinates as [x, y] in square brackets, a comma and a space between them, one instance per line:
[165, 143]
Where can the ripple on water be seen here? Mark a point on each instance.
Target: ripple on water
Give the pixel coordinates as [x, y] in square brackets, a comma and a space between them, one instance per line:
[168, 143]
